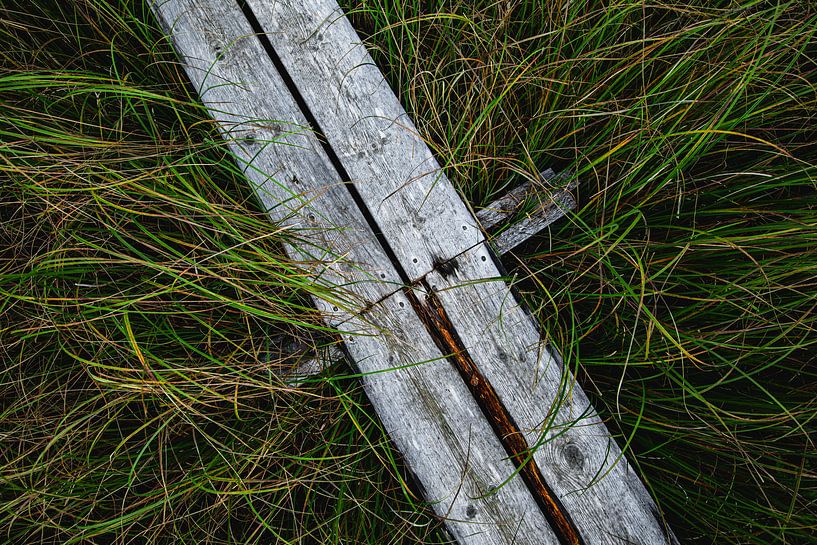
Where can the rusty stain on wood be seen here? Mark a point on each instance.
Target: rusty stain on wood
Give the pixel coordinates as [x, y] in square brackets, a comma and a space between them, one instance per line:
[434, 317]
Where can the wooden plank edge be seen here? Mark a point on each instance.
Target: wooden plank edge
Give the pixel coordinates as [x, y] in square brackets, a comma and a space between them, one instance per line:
[299, 362]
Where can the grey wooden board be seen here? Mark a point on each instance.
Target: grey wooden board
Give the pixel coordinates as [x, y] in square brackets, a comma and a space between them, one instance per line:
[578, 458]
[534, 223]
[431, 417]
[507, 205]
[267, 133]
[413, 203]
[300, 360]
[315, 363]
[546, 211]
[282, 158]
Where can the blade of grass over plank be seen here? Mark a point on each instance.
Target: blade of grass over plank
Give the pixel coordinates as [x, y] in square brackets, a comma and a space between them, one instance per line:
[544, 212]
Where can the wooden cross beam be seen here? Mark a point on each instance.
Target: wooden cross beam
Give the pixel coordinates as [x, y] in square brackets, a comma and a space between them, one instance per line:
[305, 361]
[504, 445]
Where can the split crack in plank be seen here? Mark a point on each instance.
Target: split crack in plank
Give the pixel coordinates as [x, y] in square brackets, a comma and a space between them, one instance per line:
[398, 360]
[437, 322]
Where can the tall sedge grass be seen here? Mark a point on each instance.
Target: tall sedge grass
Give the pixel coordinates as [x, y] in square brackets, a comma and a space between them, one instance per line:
[143, 293]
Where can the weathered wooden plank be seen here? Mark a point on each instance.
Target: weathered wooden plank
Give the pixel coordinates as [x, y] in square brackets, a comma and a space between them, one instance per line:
[300, 360]
[415, 206]
[505, 241]
[545, 212]
[580, 461]
[431, 417]
[508, 204]
[281, 156]
[314, 363]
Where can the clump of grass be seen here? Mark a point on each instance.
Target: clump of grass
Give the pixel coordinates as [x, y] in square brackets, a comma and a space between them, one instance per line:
[140, 285]
[683, 289]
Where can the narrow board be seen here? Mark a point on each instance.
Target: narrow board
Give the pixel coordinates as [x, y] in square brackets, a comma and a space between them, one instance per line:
[578, 458]
[431, 417]
[397, 176]
[535, 222]
[545, 211]
[280, 155]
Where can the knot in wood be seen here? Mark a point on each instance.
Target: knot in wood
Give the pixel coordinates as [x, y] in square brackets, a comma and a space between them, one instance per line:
[573, 456]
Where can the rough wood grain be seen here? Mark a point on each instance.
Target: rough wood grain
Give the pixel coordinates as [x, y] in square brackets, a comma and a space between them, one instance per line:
[413, 203]
[532, 224]
[281, 156]
[577, 456]
[430, 416]
[545, 212]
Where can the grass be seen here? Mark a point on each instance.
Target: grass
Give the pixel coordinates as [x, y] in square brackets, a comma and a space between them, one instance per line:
[138, 278]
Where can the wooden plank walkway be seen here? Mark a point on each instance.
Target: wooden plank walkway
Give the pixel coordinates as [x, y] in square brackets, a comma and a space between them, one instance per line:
[452, 364]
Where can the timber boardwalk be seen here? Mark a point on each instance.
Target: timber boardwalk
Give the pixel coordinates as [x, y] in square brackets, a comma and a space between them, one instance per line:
[451, 362]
